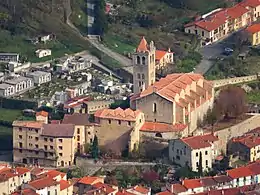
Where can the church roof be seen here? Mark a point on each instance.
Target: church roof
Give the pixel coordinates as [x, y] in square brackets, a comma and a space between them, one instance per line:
[143, 46]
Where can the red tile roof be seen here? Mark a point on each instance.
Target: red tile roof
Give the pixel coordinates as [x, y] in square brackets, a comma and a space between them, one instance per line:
[191, 183]
[171, 85]
[201, 141]
[76, 119]
[88, 180]
[42, 113]
[54, 173]
[141, 189]
[162, 127]
[240, 172]
[64, 184]
[43, 183]
[22, 170]
[178, 188]
[253, 28]
[118, 114]
[58, 130]
[105, 187]
[143, 46]
[249, 141]
[215, 20]
[164, 193]
[250, 3]
[26, 191]
[28, 124]
[159, 54]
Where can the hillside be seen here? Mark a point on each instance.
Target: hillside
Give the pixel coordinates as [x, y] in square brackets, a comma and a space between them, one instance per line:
[22, 20]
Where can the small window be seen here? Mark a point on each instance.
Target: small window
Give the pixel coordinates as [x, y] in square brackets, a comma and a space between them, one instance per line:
[60, 154]
[138, 76]
[206, 162]
[20, 144]
[36, 138]
[143, 76]
[36, 152]
[143, 60]
[36, 146]
[78, 138]
[51, 147]
[36, 130]
[109, 121]
[138, 60]
[20, 137]
[206, 152]
[45, 139]
[119, 122]
[60, 147]
[89, 133]
[202, 33]
[60, 140]
[20, 129]
[45, 147]
[78, 131]
[21, 151]
[197, 154]
[51, 140]
[154, 107]
[129, 123]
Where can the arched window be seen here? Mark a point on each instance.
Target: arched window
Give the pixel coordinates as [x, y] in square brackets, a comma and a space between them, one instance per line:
[142, 76]
[158, 135]
[143, 60]
[138, 60]
[138, 76]
[154, 107]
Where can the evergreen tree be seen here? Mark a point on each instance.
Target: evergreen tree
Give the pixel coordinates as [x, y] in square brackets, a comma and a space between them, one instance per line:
[101, 22]
[200, 168]
[94, 148]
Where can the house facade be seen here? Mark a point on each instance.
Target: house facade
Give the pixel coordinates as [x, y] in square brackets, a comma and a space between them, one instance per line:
[20, 84]
[219, 23]
[178, 99]
[191, 151]
[6, 90]
[119, 129]
[40, 53]
[40, 77]
[162, 58]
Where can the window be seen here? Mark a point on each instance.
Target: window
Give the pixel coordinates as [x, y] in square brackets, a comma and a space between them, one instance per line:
[197, 154]
[49, 193]
[119, 122]
[177, 151]
[20, 129]
[20, 144]
[206, 162]
[60, 147]
[36, 152]
[36, 130]
[143, 76]
[196, 32]
[138, 60]
[138, 76]
[189, 31]
[36, 138]
[129, 123]
[109, 121]
[60, 154]
[78, 138]
[197, 164]
[36, 146]
[206, 152]
[20, 137]
[202, 33]
[45, 139]
[60, 140]
[154, 107]
[51, 140]
[51, 147]
[140, 83]
[21, 151]
[51, 154]
[89, 133]
[45, 147]
[143, 60]
[46, 154]
[78, 131]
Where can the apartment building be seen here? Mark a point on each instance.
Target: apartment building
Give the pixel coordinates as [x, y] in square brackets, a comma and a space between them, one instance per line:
[189, 151]
[20, 84]
[35, 142]
[40, 77]
[6, 90]
[93, 106]
[84, 130]
[12, 178]
[253, 33]
[9, 57]
[219, 23]
[118, 129]
[178, 99]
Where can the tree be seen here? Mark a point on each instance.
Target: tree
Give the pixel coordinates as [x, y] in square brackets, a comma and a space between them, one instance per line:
[231, 102]
[101, 22]
[94, 148]
[200, 167]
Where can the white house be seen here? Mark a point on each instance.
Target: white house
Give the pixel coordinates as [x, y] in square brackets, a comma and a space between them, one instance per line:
[18, 67]
[40, 53]
[6, 90]
[189, 150]
[20, 83]
[9, 57]
[40, 77]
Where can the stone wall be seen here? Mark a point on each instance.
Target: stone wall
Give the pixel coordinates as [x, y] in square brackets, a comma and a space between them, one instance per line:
[225, 135]
[236, 80]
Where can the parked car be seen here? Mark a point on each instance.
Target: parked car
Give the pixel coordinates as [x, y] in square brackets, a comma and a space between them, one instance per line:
[228, 51]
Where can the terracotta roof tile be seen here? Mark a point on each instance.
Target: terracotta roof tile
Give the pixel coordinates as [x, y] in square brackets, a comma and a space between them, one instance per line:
[192, 183]
[88, 180]
[54, 173]
[43, 182]
[239, 172]
[107, 188]
[250, 3]
[253, 28]
[249, 141]
[28, 124]
[141, 189]
[162, 127]
[22, 170]
[201, 141]
[118, 114]
[64, 184]
[143, 46]
[159, 54]
[58, 130]
[222, 178]
[164, 193]
[42, 113]
[178, 188]
[26, 191]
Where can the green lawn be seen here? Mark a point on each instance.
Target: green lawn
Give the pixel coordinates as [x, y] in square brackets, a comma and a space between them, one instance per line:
[6, 137]
[253, 97]
[9, 115]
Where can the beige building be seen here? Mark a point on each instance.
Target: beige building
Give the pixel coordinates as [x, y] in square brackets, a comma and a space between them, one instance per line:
[187, 151]
[42, 116]
[162, 58]
[144, 66]
[46, 144]
[84, 131]
[118, 129]
[219, 23]
[93, 106]
[179, 100]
